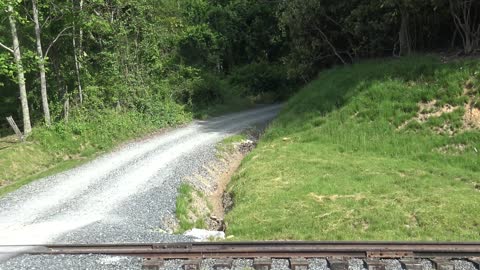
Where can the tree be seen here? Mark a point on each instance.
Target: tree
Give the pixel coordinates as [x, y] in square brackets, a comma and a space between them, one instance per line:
[466, 16]
[41, 64]
[17, 55]
[316, 35]
[78, 51]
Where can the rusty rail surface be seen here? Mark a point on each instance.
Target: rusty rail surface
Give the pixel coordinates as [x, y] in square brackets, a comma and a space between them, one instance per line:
[363, 250]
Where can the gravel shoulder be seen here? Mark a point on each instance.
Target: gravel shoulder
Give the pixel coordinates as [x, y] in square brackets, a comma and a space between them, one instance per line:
[127, 196]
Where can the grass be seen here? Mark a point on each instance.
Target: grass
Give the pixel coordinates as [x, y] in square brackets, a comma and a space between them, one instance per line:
[339, 163]
[186, 212]
[54, 169]
[227, 145]
[183, 206]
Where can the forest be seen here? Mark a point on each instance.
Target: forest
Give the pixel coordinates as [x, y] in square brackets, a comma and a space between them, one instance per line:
[64, 64]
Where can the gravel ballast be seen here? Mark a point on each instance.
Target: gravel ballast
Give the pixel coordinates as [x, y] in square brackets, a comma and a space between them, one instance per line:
[127, 196]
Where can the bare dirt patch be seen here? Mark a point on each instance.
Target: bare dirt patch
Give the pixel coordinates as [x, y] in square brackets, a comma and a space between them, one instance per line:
[429, 110]
[471, 119]
[324, 198]
[455, 149]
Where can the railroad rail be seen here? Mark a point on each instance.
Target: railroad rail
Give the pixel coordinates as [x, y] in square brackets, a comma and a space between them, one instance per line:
[337, 254]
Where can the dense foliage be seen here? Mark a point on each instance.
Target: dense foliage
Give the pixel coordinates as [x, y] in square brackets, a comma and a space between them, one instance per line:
[140, 56]
[149, 56]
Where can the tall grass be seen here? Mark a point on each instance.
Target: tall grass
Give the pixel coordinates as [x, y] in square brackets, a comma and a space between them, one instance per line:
[345, 160]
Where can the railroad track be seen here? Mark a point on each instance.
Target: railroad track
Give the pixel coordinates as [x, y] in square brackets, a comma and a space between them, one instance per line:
[337, 254]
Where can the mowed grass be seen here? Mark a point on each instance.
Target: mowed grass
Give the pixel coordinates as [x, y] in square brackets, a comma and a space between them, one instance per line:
[346, 160]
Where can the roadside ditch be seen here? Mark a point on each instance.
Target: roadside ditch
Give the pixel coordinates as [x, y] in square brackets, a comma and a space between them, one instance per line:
[203, 200]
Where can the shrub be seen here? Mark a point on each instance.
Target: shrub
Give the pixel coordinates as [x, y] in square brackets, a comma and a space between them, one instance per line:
[208, 90]
[262, 79]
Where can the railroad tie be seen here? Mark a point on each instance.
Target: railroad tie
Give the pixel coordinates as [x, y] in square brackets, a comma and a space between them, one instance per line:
[410, 264]
[475, 261]
[442, 264]
[262, 263]
[298, 264]
[373, 264]
[223, 264]
[192, 264]
[337, 264]
[153, 264]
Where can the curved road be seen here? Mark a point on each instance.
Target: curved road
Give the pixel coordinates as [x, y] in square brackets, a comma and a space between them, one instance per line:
[124, 196]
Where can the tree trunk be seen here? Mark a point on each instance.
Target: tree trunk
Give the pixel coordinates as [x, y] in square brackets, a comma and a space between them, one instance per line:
[77, 54]
[15, 128]
[41, 64]
[66, 109]
[334, 50]
[465, 14]
[27, 127]
[80, 43]
[404, 35]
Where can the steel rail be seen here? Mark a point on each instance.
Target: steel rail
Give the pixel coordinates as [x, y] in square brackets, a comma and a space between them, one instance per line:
[275, 249]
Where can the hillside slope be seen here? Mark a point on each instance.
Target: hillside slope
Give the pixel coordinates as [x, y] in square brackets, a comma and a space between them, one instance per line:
[382, 150]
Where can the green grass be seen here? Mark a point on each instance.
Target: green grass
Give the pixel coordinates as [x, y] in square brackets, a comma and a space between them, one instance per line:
[66, 145]
[183, 205]
[54, 169]
[227, 145]
[336, 166]
[186, 211]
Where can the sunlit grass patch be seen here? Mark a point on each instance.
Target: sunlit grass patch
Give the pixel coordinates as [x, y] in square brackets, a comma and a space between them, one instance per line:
[187, 211]
[339, 165]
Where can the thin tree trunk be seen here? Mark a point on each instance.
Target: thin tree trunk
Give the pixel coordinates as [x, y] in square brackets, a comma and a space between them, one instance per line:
[404, 35]
[27, 127]
[466, 23]
[15, 128]
[324, 36]
[41, 64]
[76, 54]
[454, 39]
[66, 108]
[80, 42]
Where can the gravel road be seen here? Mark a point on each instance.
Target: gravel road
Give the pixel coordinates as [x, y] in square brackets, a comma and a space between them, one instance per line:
[127, 196]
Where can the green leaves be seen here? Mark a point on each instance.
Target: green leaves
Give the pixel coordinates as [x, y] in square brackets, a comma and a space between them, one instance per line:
[6, 65]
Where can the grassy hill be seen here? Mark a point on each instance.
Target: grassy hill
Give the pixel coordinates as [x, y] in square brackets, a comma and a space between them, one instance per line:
[383, 150]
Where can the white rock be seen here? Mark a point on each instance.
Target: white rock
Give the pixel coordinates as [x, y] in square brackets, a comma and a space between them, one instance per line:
[204, 235]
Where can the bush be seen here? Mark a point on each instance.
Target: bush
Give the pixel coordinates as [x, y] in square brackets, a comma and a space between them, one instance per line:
[164, 112]
[197, 89]
[208, 91]
[261, 80]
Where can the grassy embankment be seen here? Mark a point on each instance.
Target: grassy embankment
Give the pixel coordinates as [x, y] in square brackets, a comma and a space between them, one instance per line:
[363, 152]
